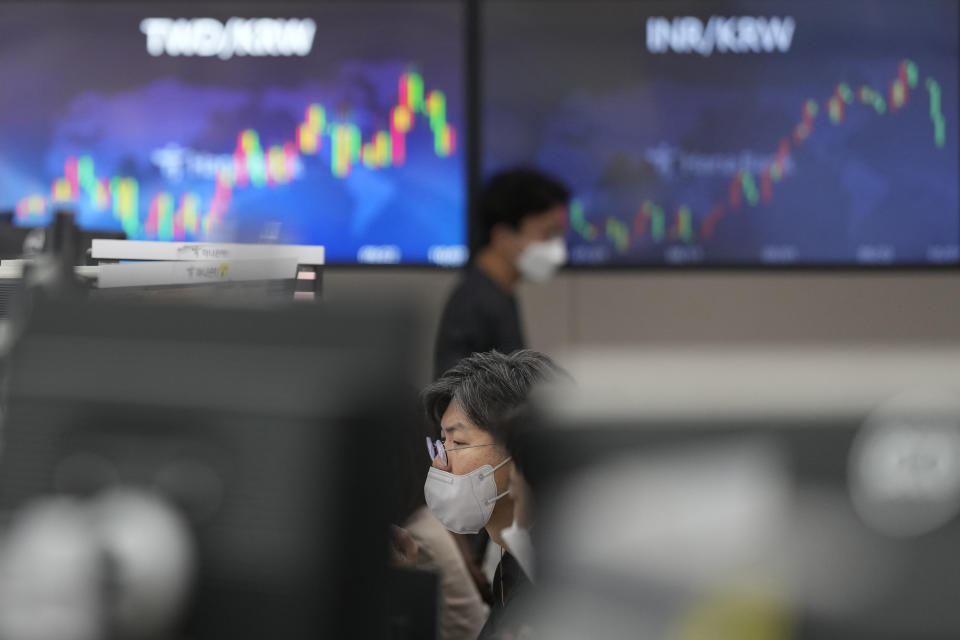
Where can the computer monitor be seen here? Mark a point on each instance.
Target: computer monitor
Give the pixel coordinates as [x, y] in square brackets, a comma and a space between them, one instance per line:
[735, 133]
[340, 124]
[266, 430]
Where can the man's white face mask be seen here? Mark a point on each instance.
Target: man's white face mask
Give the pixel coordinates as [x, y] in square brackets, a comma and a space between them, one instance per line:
[540, 260]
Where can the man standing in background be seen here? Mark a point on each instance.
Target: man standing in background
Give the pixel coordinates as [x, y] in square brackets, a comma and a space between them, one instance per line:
[522, 218]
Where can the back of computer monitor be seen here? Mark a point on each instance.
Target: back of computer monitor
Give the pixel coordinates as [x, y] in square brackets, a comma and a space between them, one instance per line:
[802, 492]
[265, 432]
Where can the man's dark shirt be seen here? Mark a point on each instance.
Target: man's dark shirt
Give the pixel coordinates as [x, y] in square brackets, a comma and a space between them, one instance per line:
[479, 316]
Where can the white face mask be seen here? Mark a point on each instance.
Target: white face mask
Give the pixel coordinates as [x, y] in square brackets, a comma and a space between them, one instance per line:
[517, 540]
[540, 260]
[463, 504]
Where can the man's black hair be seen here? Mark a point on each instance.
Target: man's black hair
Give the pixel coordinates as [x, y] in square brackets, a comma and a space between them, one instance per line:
[489, 386]
[510, 196]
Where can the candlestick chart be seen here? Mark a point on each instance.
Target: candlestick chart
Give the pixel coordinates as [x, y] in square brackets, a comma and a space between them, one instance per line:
[654, 224]
[170, 217]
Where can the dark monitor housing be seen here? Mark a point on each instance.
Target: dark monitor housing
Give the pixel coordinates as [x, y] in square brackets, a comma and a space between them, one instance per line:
[287, 410]
[692, 483]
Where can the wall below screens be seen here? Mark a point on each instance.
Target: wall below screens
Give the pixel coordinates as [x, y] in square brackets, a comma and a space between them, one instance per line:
[586, 309]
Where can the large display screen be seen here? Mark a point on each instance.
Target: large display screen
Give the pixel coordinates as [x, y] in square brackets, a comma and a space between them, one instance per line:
[808, 132]
[332, 123]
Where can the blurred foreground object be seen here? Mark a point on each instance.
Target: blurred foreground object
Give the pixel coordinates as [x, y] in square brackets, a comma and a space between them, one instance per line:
[71, 569]
[149, 448]
[725, 493]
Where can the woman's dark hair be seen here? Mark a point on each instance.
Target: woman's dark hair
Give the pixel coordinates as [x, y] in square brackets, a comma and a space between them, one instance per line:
[489, 386]
[510, 196]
